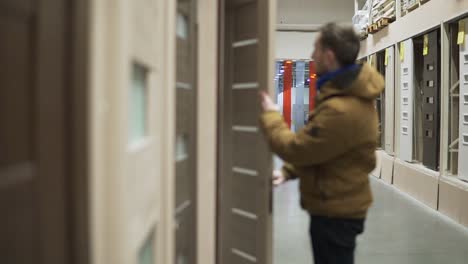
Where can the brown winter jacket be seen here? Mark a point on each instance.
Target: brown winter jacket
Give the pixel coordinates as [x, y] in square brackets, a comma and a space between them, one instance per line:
[335, 152]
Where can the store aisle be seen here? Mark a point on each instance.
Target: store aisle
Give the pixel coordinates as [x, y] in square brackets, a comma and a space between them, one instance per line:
[398, 230]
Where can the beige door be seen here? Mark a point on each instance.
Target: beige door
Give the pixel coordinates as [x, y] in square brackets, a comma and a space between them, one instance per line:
[244, 204]
[32, 132]
[185, 211]
[389, 100]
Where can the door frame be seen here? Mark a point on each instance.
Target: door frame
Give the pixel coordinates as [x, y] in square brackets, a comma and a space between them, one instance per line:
[78, 25]
[207, 129]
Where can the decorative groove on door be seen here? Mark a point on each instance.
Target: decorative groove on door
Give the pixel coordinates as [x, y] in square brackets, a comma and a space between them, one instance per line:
[181, 208]
[244, 213]
[239, 86]
[181, 85]
[244, 255]
[244, 171]
[243, 43]
[248, 129]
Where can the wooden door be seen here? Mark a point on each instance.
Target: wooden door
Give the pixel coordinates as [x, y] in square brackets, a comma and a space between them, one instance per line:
[406, 99]
[245, 169]
[32, 132]
[463, 116]
[381, 101]
[185, 211]
[431, 101]
[389, 100]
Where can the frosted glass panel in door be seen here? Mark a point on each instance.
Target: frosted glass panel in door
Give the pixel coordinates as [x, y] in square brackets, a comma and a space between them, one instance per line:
[138, 93]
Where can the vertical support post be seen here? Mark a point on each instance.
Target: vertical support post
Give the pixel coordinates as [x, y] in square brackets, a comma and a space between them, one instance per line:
[287, 92]
[277, 86]
[371, 3]
[299, 102]
[398, 9]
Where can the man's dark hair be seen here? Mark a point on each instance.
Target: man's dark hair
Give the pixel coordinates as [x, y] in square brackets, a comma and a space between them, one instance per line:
[342, 40]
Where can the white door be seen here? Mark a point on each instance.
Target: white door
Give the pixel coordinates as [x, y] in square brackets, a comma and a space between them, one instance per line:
[406, 100]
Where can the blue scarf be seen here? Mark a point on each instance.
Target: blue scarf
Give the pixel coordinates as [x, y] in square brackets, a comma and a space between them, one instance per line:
[331, 75]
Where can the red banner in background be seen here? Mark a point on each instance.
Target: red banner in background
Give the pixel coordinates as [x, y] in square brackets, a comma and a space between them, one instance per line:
[312, 86]
[287, 85]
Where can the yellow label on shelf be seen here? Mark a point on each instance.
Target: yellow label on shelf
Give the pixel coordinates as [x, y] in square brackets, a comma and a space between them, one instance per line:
[426, 45]
[386, 57]
[461, 32]
[402, 51]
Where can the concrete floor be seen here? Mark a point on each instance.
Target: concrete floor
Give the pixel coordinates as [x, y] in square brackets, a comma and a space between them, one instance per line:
[398, 230]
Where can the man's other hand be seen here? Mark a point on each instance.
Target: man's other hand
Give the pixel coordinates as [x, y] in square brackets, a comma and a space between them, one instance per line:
[278, 178]
[267, 103]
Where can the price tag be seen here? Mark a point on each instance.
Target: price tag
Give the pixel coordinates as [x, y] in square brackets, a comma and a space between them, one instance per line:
[426, 45]
[461, 32]
[402, 51]
[386, 57]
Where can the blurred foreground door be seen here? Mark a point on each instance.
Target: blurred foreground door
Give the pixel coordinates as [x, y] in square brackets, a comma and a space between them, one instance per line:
[32, 132]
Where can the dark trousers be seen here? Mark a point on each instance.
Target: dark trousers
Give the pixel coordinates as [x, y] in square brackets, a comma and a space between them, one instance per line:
[334, 240]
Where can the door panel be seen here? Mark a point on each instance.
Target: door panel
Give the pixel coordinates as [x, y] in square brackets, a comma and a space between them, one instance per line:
[244, 103]
[390, 101]
[246, 187]
[186, 118]
[244, 222]
[243, 72]
[245, 20]
[244, 232]
[406, 100]
[463, 123]
[380, 61]
[372, 60]
[431, 101]
[243, 156]
[32, 132]
[182, 182]
[16, 137]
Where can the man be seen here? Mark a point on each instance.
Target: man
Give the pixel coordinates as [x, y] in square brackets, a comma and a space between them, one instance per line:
[335, 152]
